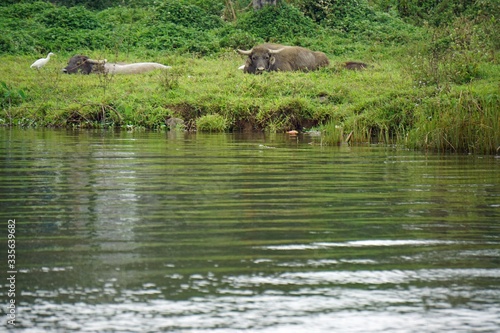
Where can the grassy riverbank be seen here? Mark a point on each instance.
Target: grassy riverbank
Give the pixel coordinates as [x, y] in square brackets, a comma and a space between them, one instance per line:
[425, 88]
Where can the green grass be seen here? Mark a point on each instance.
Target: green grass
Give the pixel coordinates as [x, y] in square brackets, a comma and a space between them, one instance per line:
[429, 86]
[382, 103]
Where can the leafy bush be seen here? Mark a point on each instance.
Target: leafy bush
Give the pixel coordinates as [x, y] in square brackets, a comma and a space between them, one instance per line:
[211, 123]
[453, 55]
[46, 27]
[171, 25]
[236, 38]
[69, 18]
[15, 40]
[117, 16]
[332, 12]
[59, 39]
[25, 10]
[277, 23]
[212, 7]
[356, 19]
[168, 36]
[10, 96]
[92, 4]
[185, 14]
[434, 12]
[462, 121]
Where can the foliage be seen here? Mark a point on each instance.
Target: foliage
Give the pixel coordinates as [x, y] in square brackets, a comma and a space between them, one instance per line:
[68, 18]
[237, 39]
[431, 12]
[331, 12]
[168, 36]
[459, 122]
[181, 12]
[452, 55]
[211, 7]
[273, 22]
[421, 81]
[170, 79]
[180, 26]
[25, 10]
[357, 19]
[89, 4]
[170, 25]
[10, 96]
[211, 123]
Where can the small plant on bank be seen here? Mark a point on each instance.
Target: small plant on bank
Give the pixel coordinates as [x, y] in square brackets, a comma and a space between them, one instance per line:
[452, 56]
[212, 123]
[458, 122]
[9, 97]
[334, 134]
[169, 79]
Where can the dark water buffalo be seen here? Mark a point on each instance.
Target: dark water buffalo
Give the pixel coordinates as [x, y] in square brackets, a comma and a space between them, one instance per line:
[354, 65]
[84, 65]
[276, 57]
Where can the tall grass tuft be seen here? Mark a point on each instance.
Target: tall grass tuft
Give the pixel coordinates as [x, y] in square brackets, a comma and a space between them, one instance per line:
[212, 123]
[333, 134]
[452, 55]
[462, 122]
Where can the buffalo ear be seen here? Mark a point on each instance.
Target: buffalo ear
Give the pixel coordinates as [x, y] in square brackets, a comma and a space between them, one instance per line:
[272, 60]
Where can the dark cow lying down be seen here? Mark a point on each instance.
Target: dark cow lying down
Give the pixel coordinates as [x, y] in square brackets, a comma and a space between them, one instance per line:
[84, 65]
[276, 57]
[355, 65]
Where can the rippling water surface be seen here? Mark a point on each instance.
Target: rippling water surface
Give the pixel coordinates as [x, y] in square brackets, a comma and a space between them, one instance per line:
[174, 232]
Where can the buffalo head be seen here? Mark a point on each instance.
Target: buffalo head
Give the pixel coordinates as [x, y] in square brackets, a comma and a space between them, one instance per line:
[82, 64]
[260, 58]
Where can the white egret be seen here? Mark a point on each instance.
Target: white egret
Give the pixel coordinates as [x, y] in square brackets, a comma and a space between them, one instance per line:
[41, 62]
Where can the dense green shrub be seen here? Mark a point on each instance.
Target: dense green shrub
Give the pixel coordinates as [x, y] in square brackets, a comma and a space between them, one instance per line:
[462, 121]
[436, 13]
[117, 16]
[211, 123]
[357, 19]
[25, 10]
[230, 37]
[452, 55]
[69, 18]
[93, 4]
[170, 25]
[10, 96]
[185, 14]
[212, 7]
[42, 27]
[169, 36]
[25, 40]
[277, 23]
[59, 39]
[334, 12]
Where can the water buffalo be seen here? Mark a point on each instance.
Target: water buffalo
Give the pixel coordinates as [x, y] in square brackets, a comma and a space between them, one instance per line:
[354, 65]
[276, 57]
[84, 65]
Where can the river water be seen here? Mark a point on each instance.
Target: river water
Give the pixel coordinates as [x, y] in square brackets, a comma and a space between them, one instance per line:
[172, 232]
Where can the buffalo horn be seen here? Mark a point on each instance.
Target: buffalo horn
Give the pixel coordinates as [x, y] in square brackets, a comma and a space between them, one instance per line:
[92, 61]
[245, 52]
[276, 51]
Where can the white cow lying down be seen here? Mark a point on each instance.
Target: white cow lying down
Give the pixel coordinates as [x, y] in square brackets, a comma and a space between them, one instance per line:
[135, 68]
[85, 65]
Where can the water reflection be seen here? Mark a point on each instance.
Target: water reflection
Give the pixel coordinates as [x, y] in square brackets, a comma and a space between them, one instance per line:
[318, 301]
[147, 232]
